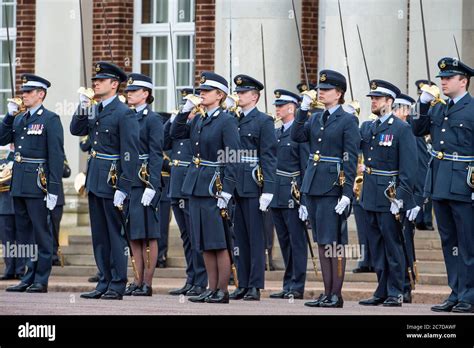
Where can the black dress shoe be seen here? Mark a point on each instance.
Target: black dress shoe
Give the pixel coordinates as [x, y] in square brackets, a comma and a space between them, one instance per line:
[238, 294]
[407, 297]
[463, 307]
[195, 291]
[373, 301]
[392, 302]
[37, 288]
[332, 301]
[424, 227]
[92, 295]
[294, 295]
[94, 279]
[130, 288]
[280, 294]
[362, 270]
[56, 262]
[180, 291]
[18, 288]
[144, 290]
[272, 267]
[19, 276]
[446, 306]
[8, 277]
[202, 297]
[218, 296]
[317, 302]
[161, 264]
[253, 294]
[111, 295]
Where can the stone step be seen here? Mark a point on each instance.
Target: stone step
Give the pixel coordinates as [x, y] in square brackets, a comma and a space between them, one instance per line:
[174, 272]
[427, 294]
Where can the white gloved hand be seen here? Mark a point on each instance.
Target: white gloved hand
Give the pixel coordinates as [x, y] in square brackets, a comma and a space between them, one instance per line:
[426, 97]
[305, 104]
[229, 103]
[395, 206]
[191, 102]
[119, 197]
[51, 201]
[344, 201]
[12, 108]
[173, 116]
[147, 197]
[412, 213]
[223, 200]
[303, 213]
[265, 200]
[85, 101]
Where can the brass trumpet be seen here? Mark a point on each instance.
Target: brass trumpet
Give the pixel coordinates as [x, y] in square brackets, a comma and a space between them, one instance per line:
[5, 176]
[359, 179]
[435, 92]
[198, 109]
[89, 93]
[18, 101]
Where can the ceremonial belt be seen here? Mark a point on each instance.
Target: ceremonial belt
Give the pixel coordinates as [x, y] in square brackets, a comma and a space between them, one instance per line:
[20, 159]
[104, 156]
[143, 157]
[179, 163]
[373, 171]
[200, 162]
[319, 158]
[446, 156]
[288, 174]
[248, 159]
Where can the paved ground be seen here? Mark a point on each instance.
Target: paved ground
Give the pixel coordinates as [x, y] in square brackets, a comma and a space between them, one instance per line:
[69, 303]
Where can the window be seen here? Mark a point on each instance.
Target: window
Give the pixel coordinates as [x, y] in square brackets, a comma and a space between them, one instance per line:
[8, 10]
[152, 47]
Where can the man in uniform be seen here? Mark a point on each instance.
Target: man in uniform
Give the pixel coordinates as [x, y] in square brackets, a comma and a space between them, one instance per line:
[450, 179]
[292, 159]
[37, 135]
[112, 167]
[14, 266]
[257, 137]
[181, 157]
[388, 146]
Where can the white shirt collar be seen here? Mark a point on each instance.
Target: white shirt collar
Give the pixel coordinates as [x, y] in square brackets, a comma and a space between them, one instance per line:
[32, 111]
[141, 107]
[287, 124]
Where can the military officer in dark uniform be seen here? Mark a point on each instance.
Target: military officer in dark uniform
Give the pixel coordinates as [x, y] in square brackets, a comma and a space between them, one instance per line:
[253, 195]
[292, 159]
[329, 178]
[57, 215]
[146, 187]
[181, 157]
[14, 266]
[402, 108]
[424, 219]
[38, 138]
[450, 179]
[112, 167]
[212, 174]
[389, 148]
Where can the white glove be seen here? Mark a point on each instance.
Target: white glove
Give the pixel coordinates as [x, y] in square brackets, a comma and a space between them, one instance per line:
[191, 102]
[303, 212]
[147, 197]
[395, 206]
[265, 200]
[51, 201]
[412, 213]
[173, 116]
[342, 204]
[229, 102]
[119, 197]
[223, 200]
[12, 108]
[305, 104]
[85, 101]
[426, 97]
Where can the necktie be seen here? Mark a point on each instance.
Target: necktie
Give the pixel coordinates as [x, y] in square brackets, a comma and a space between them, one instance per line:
[378, 123]
[282, 130]
[27, 115]
[101, 107]
[451, 104]
[325, 116]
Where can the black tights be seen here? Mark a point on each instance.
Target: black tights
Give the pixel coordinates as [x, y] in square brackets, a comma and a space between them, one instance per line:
[218, 268]
[331, 279]
[145, 272]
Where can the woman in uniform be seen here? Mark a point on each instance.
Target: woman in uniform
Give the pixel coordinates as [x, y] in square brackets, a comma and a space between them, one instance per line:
[213, 133]
[146, 188]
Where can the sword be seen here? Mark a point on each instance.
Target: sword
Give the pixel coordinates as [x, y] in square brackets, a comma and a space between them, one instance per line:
[296, 194]
[363, 55]
[264, 72]
[456, 45]
[345, 50]
[173, 67]
[123, 222]
[107, 31]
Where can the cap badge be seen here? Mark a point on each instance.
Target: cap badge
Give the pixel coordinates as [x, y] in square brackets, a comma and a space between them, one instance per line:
[130, 81]
[203, 79]
[24, 80]
[373, 85]
[277, 95]
[238, 80]
[97, 68]
[442, 65]
[323, 78]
